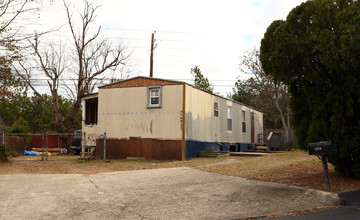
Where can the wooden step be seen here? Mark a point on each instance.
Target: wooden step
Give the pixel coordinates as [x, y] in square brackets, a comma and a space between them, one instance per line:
[262, 148]
[49, 149]
[214, 154]
[248, 154]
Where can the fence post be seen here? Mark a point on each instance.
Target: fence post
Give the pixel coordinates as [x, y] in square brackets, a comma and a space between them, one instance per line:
[46, 144]
[83, 146]
[104, 145]
[5, 141]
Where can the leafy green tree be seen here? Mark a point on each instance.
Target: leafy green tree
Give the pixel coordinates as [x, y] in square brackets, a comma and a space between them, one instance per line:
[40, 115]
[3, 126]
[316, 52]
[200, 81]
[35, 111]
[11, 109]
[20, 126]
[10, 84]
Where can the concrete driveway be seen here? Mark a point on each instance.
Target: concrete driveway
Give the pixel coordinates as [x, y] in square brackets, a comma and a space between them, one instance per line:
[172, 193]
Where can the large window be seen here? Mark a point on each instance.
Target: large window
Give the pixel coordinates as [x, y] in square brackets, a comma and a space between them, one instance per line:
[91, 111]
[229, 120]
[154, 97]
[216, 109]
[243, 122]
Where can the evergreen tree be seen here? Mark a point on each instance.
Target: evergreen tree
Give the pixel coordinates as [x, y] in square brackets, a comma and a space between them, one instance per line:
[20, 126]
[200, 81]
[316, 51]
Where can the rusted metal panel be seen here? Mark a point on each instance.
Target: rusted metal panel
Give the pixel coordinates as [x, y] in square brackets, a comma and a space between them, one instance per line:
[141, 81]
[156, 149]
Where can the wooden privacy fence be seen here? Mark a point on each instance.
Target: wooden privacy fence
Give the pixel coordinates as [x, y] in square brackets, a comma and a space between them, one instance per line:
[19, 142]
[280, 139]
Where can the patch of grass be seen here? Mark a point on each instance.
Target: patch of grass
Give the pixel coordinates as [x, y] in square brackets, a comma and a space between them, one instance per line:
[313, 161]
[211, 149]
[13, 154]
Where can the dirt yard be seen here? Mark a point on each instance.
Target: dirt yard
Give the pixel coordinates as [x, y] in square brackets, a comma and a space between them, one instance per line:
[292, 168]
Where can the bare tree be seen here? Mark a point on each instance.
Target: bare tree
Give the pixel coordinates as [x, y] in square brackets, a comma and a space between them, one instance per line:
[93, 57]
[10, 11]
[10, 37]
[263, 92]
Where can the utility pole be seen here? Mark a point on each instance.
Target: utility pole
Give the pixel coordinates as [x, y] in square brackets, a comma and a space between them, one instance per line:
[152, 53]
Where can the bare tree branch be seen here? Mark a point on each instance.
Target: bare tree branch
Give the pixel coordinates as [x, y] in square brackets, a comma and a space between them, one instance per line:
[20, 10]
[262, 91]
[94, 58]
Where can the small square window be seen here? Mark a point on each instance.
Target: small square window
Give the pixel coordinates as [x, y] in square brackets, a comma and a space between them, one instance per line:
[216, 109]
[154, 97]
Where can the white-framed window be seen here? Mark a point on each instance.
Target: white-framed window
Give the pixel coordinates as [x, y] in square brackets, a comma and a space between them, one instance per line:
[229, 120]
[243, 122]
[216, 109]
[154, 96]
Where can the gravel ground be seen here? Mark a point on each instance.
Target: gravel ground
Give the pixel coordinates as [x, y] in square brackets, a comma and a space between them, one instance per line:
[174, 193]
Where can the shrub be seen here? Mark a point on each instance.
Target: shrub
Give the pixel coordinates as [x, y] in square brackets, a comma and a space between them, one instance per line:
[3, 157]
[20, 126]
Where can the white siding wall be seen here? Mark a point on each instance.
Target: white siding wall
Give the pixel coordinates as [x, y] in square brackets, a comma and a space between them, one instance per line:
[202, 125]
[123, 113]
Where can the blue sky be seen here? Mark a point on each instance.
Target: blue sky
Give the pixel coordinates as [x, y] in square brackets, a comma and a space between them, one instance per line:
[256, 3]
[211, 34]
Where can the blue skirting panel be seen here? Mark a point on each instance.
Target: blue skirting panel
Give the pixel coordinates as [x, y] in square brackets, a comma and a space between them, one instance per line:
[243, 147]
[193, 147]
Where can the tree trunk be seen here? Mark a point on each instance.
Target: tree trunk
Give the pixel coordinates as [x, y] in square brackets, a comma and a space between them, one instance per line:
[281, 113]
[65, 141]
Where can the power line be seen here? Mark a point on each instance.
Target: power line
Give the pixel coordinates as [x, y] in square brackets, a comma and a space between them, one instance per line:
[175, 32]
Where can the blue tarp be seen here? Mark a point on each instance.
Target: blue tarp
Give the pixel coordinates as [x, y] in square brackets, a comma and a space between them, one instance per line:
[30, 153]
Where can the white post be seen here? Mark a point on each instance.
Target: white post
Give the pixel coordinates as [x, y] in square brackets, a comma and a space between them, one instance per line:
[83, 146]
[104, 145]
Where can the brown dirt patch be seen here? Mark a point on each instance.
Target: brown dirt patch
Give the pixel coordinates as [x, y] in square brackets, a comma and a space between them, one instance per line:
[295, 168]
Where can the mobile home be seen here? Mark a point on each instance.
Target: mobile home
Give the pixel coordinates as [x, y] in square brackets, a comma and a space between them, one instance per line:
[165, 119]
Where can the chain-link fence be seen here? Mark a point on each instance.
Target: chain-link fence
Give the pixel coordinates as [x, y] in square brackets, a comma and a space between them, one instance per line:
[43, 144]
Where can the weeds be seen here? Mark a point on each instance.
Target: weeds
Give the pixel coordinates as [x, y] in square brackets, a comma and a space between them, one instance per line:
[3, 156]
